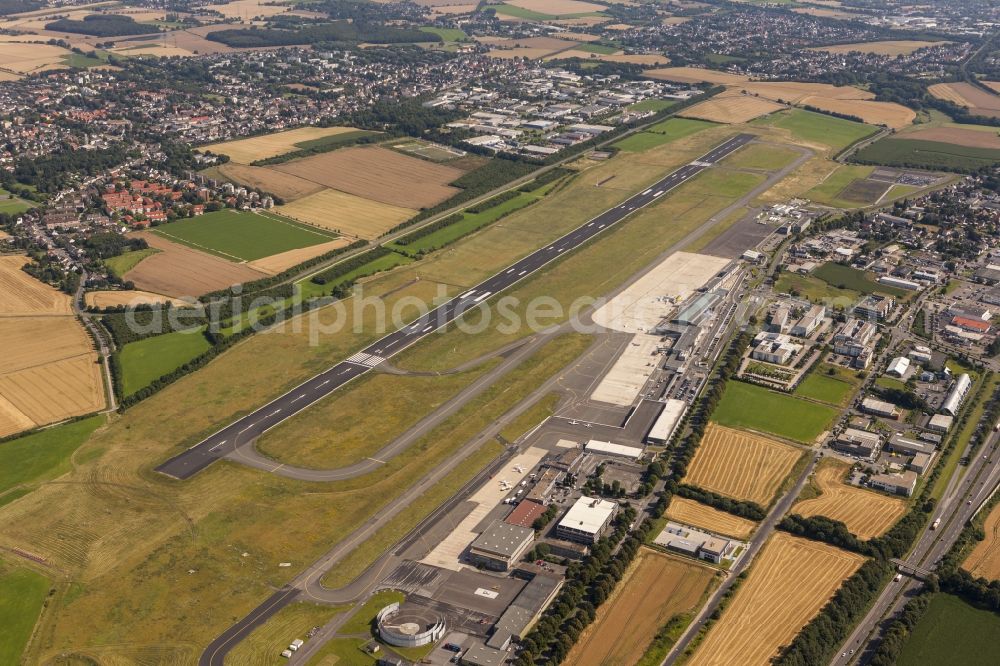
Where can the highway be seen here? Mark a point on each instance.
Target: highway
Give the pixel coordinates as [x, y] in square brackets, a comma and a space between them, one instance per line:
[218, 445]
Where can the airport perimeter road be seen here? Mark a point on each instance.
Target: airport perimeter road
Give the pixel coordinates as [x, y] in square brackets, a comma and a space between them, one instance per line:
[251, 426]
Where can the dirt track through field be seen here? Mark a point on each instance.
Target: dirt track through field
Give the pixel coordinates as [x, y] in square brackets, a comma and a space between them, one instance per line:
[789, 583]
[655, 588]
[740, 464]
[866, 513]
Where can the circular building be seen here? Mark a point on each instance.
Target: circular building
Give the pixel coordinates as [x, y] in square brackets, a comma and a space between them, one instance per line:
[409, 626]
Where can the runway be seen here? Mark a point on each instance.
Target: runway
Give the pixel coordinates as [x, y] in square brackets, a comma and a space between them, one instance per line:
[201, 455]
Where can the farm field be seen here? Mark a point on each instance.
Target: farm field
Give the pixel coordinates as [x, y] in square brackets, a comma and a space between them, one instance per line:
[282, 261]
[846, 277]
[696, 514]
[752, 407]
[732, 109]
[661, 133]
[789, 583]
[741, 465]
[111, 299]
[123, 263]
[654, 589]
[825, 388]
[242, 236]
[984, 559]
[928, 154]
[977, 101]
[284, 185]
[245, 151]
[21, 294]
[972, 136]
[866, 513]
[181, 271]
[40, 456]
[146, 360]
[817, 128]
[346, 213]
[889, 48]
[49, 371]
[952, 632]
[22, 58]
[378, 174]
[22, 596]
[694, 75]
[889, 114]
[534, 48]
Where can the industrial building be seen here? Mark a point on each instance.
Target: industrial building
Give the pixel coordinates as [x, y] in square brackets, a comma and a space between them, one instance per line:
[897, 484]
[695, 543]
[940, 422]
[881, 408]
[500, 545]
[666, 423]
[587, 520]
[857, 442]
[898, 367]
[525, 513]
[694, 311]
[611, 449]
[899, 283]
[524, 611]
[953, 403]
[909, 447]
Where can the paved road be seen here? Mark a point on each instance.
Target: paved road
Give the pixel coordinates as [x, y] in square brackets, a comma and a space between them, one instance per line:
[251, 426]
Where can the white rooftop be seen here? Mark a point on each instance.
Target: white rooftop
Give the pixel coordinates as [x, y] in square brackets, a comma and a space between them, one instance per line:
[610, 448]
[589, 514]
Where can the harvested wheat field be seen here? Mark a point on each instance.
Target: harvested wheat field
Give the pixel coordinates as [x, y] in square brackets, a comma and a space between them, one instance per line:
[992, 85]
[696, 514]
[285, 260]
[248, 9]
[634, 59]
[794, 92]
[245, 151]
[731, 108]
[180, 271]
[31, 341]
[655, 588]
[695, 75]
[379, 174]
[56, 391]
[27, 58]
[984, 137]
[741, 465]
[866, 513]
[529, 47]
[113, 299]
[889, 114]
[284, 185]
[346, 213]
[791, 580]
[984, 560]
[557, 7]
[21, 294]
[976, 100]
[888, 48]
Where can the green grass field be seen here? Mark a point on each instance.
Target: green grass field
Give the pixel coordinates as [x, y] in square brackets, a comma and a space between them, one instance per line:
[927, 154]
[825, 388]
[310, 289]
[814, 289]
[265, 643]
[123, 263]
[13, 204]
[829, 190]
[531, 15]
[144, 361]
[343, 652]
[759, 156]
[333, 141]
[447, 34]
[22, 593]
[819, 128]
[845, 277]
[755, 408]
[597, 48]
[41, 455]
[953, 632]
[652, 105]
[242, 236]
[661, 133]
[361, 621]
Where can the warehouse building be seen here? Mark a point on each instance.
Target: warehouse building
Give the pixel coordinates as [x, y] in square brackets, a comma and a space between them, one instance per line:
[525, 513]
[953, 403]
[881, 408]
[898, 367]
[897, 484]
[857, 442]
[908, 447]
[611, 449]
[940, 422]
[666, 423]
[587, 520]
[500, 546]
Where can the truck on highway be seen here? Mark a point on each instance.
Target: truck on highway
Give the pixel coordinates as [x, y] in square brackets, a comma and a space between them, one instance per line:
[934, 525]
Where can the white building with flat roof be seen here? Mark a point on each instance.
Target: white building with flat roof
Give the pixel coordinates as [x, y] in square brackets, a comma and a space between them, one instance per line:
[612, 449]
[666, 423]
[587, 520]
